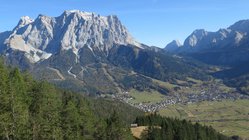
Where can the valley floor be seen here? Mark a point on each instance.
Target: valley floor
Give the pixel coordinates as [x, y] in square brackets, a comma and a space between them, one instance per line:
[230, 117]
[210, 103]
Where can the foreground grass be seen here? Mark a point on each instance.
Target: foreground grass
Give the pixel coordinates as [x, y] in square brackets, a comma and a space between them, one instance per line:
[228, 117]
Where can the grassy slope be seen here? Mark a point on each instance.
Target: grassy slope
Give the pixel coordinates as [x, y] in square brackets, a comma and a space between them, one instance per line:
[229, 117]
[146, 96]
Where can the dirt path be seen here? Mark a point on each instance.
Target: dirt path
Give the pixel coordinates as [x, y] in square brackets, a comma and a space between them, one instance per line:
[70, 73]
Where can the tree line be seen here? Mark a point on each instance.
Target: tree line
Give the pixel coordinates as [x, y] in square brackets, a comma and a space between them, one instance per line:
[163, 128]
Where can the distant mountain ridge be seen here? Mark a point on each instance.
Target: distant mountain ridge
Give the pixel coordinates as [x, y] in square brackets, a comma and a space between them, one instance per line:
[173, 46]
[225, 46]
[234, 36]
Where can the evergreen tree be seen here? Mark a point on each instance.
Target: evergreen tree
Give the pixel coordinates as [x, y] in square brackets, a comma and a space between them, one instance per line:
[174, 129]
[115, 130]
[19, 105]
[45, 112]
[5, 109]
[87, 117]
[39, 111]
[71, 122]
[14, 108]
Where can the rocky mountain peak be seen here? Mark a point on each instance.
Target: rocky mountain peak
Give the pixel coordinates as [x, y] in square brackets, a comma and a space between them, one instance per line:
[200, 32]
[234, 36]
[25, 20]
[195, 37]
[72, 30]
[79, 14]
[173, 45]
[241, 26]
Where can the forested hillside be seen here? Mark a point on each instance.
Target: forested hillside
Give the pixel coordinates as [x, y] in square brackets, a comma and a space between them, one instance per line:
[162, 128]
[37, 110]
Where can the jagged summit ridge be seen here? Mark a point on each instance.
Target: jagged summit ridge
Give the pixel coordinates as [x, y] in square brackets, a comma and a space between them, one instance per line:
[195, 37]
[72, 30]
[24, 21]
[241, 26]
[233, 36]
[174, 45]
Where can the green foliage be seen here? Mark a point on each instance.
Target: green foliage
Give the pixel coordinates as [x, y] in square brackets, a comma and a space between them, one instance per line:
[228, 115]
[161, 128]
[13, 104]
[103, 108]
[37, 110]
[115, 129]
[45, 112]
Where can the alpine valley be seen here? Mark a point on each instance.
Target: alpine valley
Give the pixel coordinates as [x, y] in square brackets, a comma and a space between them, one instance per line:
[92, 53]
[227, 48]
[97, 56]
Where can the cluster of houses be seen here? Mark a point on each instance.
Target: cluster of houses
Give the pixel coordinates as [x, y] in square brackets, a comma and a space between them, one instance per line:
[211, 94]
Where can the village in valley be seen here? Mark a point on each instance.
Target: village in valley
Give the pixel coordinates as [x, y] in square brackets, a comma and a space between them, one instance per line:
[209, 95]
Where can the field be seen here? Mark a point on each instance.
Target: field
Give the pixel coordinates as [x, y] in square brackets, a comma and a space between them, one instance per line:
[191, 85]
[140, 130]
[145, 96]
[228, 117]
[137, 131]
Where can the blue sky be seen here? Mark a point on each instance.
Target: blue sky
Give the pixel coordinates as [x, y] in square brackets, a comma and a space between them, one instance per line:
[153, 22]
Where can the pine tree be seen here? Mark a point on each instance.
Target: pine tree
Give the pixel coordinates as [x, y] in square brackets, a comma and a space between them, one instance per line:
[14, 108]
[115, 130]
[5, 110]
[19, 105]
[45, 112]
[71, 121]
[87, 117]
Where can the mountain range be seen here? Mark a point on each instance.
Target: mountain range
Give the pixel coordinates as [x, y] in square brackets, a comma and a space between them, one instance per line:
[226, 48]
[89, 53]
[96, 54]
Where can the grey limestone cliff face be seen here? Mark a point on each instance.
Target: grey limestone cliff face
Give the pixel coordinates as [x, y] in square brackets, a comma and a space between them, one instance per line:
[39, 39]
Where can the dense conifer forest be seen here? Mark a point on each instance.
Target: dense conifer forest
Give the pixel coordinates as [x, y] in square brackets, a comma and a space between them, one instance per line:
[37, 110]
[163, 128]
